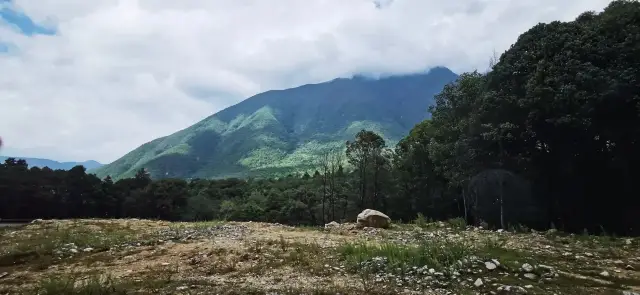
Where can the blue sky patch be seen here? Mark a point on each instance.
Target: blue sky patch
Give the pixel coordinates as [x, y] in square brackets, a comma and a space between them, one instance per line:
[20, 21]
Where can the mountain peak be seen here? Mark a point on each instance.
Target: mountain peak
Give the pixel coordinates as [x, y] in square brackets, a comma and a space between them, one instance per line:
[283, 130]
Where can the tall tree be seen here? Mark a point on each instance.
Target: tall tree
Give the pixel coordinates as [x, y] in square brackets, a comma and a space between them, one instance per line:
[362, 154]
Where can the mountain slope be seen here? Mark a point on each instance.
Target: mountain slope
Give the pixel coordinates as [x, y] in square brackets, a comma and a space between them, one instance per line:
[55, 165]
[281, 130]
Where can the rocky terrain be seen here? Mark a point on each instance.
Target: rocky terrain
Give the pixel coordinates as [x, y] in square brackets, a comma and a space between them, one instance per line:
[153, 257]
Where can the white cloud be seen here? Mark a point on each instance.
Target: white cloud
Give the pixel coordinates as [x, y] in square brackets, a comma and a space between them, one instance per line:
[120, 73]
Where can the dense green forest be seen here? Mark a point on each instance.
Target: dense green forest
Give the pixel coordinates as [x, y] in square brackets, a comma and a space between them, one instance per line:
[548, 137]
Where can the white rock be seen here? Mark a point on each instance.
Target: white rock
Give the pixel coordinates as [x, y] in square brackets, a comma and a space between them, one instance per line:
[478, 282]
[528, 286]
[605, 273]
[331, 224]
[373, 218]
[496, 262]
[73, 250]
[527, 267]
[182, 288]
[530, 276]
[490, 265]
[87, 249]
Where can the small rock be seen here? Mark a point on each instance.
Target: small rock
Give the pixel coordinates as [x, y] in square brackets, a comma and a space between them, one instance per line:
[605, 273]
[618, 262]
[164, 264]
[531, 276]
[629, 267]
[182, 288]
[628, 242]
[527, 267]
[331, 224]
[500, 230]
[630, 293]
[588, 254]
[87, 249]
[490, 265]
[4, 274]
[545, 267]
[528, 286]
[478, 282]
[496, 262]
[73, 250]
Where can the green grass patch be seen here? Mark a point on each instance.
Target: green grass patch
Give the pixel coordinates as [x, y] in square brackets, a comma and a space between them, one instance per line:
[70, 285]
[49, 243]
[436, 254]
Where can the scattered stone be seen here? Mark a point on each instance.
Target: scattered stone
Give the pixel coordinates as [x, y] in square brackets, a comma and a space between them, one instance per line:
[4, 274]
[182, 288]
[630, 293]
[500, 230]
[527, 267]
[478, 282]
[73, 250]
[588, 254]
[629, 267]
[605, 273]
[496, 262]
[87, 249]
[164, 264]
[545, 267]
[531, 276]
[331, 225]
[490, 265]
[528, 286]
[373, 218]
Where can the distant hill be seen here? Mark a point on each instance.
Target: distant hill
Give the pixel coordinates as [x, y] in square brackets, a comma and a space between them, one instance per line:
[55, 165]
[284, 130]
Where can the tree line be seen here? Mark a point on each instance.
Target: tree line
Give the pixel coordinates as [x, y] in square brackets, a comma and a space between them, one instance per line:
[547, 138]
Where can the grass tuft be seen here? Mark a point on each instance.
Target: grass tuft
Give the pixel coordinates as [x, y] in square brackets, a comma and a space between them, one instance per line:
[94, 285]
[436, 254]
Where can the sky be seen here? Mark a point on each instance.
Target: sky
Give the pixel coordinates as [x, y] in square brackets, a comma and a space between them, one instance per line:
[95, 79]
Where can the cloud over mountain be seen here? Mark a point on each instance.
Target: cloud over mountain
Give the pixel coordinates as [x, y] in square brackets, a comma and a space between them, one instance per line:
[116, 74]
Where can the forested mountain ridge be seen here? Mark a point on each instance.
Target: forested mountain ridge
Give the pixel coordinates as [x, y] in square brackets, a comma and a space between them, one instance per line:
[41, 163]
[281, 131]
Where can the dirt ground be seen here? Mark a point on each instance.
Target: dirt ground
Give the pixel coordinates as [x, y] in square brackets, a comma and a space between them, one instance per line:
[153, 257]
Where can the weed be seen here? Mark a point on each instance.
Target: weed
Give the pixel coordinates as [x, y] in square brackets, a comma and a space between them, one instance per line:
[70, 285]
[458, 223]
[422, 221]
[46, 244]
[432, 253]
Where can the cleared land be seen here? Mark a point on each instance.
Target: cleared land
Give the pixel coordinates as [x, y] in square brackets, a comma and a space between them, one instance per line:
[152, 257]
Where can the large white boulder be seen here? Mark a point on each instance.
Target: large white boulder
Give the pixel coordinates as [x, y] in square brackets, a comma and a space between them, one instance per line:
[373, 218]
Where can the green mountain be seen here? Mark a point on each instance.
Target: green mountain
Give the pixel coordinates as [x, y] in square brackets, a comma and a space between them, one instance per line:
[55, 165]
[281, 131]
